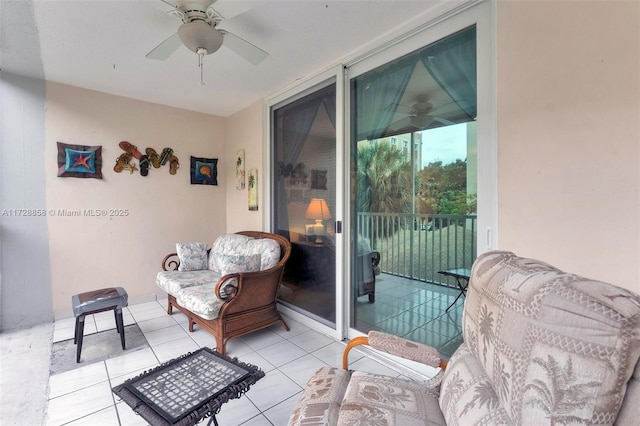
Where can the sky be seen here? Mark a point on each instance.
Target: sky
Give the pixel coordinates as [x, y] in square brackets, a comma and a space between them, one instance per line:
[446, 144]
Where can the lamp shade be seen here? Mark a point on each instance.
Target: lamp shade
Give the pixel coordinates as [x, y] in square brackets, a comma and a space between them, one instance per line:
[200, 35]
[318, 210]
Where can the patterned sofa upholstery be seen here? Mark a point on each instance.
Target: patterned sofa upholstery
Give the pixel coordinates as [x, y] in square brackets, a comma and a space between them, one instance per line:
[232, 290]
[541, 346]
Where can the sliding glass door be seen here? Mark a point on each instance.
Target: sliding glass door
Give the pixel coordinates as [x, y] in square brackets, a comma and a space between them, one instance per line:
[413, 144]
[383, 175]
[304, 199]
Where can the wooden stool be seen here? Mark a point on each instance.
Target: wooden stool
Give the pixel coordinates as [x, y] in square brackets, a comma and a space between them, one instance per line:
[96, 301]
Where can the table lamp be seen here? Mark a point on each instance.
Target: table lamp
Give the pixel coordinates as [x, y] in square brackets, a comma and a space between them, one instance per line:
[318, 211]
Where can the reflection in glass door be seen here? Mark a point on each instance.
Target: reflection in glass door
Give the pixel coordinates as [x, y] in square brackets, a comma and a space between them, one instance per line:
[304, 203]
[413, 160]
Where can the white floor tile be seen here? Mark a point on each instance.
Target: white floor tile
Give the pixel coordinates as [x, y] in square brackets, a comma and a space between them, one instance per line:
[115, 381]
[89, 327]
[105, 417]
[295, 328]
[261, 339]
[279, 415]
[259, 420]
[78, 404]
[157, 323]
[203, 338]
[282, 352]
[254, 358]
[312, 340]
[125, 364]
[128, 417]
[332, 354]
[302, 368]
[237, 348]
[164, 335]
[237, 411]
[173, 349]
[70, 381]
[61, 334]
[147, 311]
[272, 389]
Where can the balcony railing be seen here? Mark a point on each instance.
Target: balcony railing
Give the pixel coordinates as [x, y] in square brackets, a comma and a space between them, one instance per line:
[417, 246]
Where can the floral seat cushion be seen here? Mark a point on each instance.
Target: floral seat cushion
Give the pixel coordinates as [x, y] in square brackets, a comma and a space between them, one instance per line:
[174, 281]
[201, 300]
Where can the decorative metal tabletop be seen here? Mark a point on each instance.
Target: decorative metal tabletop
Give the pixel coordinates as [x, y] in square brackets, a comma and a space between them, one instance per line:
[187, 389]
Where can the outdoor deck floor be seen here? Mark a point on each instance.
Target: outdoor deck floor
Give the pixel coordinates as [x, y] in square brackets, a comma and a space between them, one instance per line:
[415, 310]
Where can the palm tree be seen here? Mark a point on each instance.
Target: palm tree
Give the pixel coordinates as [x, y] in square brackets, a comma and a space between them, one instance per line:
[486, 328]
[560, 395]
[384, 180]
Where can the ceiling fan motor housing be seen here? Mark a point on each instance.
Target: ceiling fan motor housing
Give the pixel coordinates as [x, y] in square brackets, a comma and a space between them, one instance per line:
[200, 35]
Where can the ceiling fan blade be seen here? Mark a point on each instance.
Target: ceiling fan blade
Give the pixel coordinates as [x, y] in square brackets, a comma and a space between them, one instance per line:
[443, 121]
[165, 49]
[401, 124]
[399, 108]
[248, 51]
[229, 9]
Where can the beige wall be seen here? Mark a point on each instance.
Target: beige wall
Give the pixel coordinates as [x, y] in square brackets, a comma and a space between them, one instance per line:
[568, 80]
[569, 159]
[244, 130]
[92, 252]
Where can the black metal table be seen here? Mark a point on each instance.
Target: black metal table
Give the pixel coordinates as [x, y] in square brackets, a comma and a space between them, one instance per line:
[462, 276]
[187, 389]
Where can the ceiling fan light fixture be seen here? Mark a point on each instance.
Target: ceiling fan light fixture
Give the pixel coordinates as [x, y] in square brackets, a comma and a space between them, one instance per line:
[200, 35]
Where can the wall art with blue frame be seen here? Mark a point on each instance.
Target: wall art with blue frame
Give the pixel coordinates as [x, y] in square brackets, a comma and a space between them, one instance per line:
[80, 161]
[204, 171]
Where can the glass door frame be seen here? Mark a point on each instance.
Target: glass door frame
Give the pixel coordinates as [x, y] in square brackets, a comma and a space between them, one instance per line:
[286, 96]
[480, 15]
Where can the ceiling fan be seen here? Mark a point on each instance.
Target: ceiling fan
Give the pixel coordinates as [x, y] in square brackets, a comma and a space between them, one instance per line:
[419, 115]
[199, 33]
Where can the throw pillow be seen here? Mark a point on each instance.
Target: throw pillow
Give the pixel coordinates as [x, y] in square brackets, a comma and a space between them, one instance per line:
[231, 264]
[268, 249]
[192, 256]
[226, 244]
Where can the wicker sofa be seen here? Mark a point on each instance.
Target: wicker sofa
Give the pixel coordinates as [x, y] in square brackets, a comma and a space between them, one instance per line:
[541, 346]
[230, 289]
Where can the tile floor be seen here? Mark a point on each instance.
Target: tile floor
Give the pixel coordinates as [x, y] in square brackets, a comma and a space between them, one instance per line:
[83, 396]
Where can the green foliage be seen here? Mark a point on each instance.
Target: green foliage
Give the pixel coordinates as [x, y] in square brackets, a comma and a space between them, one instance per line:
[442, 189]
[384, 180]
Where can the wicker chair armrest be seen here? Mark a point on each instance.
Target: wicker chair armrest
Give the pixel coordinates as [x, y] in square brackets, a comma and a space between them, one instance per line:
[230, 289]
[398, 346]
[375, 258]
[171, 262]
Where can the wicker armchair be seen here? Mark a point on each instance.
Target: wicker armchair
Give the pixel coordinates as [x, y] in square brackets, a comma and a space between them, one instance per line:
[225, 311]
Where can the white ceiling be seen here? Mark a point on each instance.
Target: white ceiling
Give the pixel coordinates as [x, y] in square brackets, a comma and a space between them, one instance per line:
[101, 45]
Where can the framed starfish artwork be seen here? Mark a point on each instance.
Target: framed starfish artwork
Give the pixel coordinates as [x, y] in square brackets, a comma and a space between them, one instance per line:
[79, 161]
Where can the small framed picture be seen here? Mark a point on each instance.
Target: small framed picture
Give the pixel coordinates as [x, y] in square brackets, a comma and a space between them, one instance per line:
[79, 161]
[204, 171]
[318, 179]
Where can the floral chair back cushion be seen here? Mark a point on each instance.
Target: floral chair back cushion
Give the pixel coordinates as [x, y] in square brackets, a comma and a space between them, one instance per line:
[547, 346]
[241, 245]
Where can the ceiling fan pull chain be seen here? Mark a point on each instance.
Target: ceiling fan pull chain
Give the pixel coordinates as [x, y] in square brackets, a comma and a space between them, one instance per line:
[201, 53]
